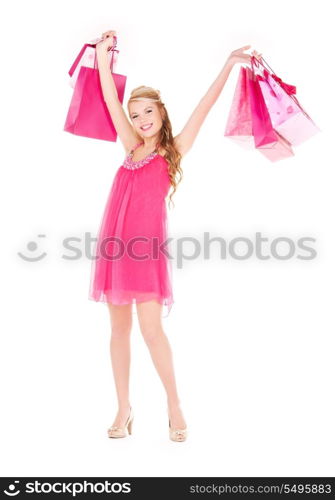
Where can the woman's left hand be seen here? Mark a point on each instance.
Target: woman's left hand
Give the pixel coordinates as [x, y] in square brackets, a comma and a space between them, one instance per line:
[107, 41]
[238, 56]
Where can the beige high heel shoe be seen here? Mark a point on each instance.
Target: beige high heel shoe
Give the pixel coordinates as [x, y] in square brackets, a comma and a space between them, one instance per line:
[177, 434]
[120, 432]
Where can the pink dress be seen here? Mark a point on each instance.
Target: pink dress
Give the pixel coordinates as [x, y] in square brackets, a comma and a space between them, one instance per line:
[132, 262]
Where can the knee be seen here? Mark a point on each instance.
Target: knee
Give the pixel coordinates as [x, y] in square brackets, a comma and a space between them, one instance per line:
[120, 331]
[151, 335]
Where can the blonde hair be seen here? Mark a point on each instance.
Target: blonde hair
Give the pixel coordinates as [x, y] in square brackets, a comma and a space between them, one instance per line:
[166, 140]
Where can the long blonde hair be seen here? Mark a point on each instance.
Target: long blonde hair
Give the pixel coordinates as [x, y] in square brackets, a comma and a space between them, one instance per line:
[166, 140]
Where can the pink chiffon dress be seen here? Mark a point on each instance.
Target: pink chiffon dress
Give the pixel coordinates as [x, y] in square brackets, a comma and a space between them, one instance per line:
[132, 262]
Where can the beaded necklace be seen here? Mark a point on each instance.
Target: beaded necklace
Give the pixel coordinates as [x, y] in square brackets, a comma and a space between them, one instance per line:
[132, 165]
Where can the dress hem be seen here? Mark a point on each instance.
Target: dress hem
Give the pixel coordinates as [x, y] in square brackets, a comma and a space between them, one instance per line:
[133, 302]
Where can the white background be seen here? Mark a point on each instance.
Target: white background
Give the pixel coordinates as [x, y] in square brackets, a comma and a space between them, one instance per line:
[253, 340]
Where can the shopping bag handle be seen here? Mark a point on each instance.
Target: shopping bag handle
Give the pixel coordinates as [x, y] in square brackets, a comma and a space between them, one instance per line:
[113, 49]
[289, 89]
[93, 44]
[256, 62]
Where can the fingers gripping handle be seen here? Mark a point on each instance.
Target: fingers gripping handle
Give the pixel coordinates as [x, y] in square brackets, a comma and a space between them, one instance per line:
[93, 43]
[114, 50]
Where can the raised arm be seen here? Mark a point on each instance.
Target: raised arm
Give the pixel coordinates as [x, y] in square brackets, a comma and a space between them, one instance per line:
[185, 139]
[120, 120]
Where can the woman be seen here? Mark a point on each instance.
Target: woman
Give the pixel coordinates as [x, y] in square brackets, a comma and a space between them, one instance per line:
[133, 265]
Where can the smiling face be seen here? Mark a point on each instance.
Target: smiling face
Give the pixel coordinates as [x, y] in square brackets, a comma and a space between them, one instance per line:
[143, 114]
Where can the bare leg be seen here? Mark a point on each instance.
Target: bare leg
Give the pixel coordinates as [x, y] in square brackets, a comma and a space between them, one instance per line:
[121, 323]
[149, 316]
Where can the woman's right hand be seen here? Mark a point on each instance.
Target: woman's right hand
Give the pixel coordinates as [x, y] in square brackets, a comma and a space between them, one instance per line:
[238, 55]
[107, 41]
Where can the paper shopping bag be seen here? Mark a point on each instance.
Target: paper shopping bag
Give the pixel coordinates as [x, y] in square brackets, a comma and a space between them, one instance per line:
[88, 115]
[239, 123]
[279, 151]
[263, 132]
[267, 140]
[286, 113]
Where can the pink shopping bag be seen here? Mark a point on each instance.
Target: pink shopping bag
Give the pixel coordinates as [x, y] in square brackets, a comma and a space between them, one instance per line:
[88, 115]
[239, 123]
[267, 140]
[281, 150]
[250, 126]
[264, 135]
[286, 113]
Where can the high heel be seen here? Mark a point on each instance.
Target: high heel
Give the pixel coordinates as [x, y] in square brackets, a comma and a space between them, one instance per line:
[177, 434]
[120, 432]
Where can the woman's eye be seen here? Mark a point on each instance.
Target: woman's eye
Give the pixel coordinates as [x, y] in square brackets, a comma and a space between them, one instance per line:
[148, 111]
